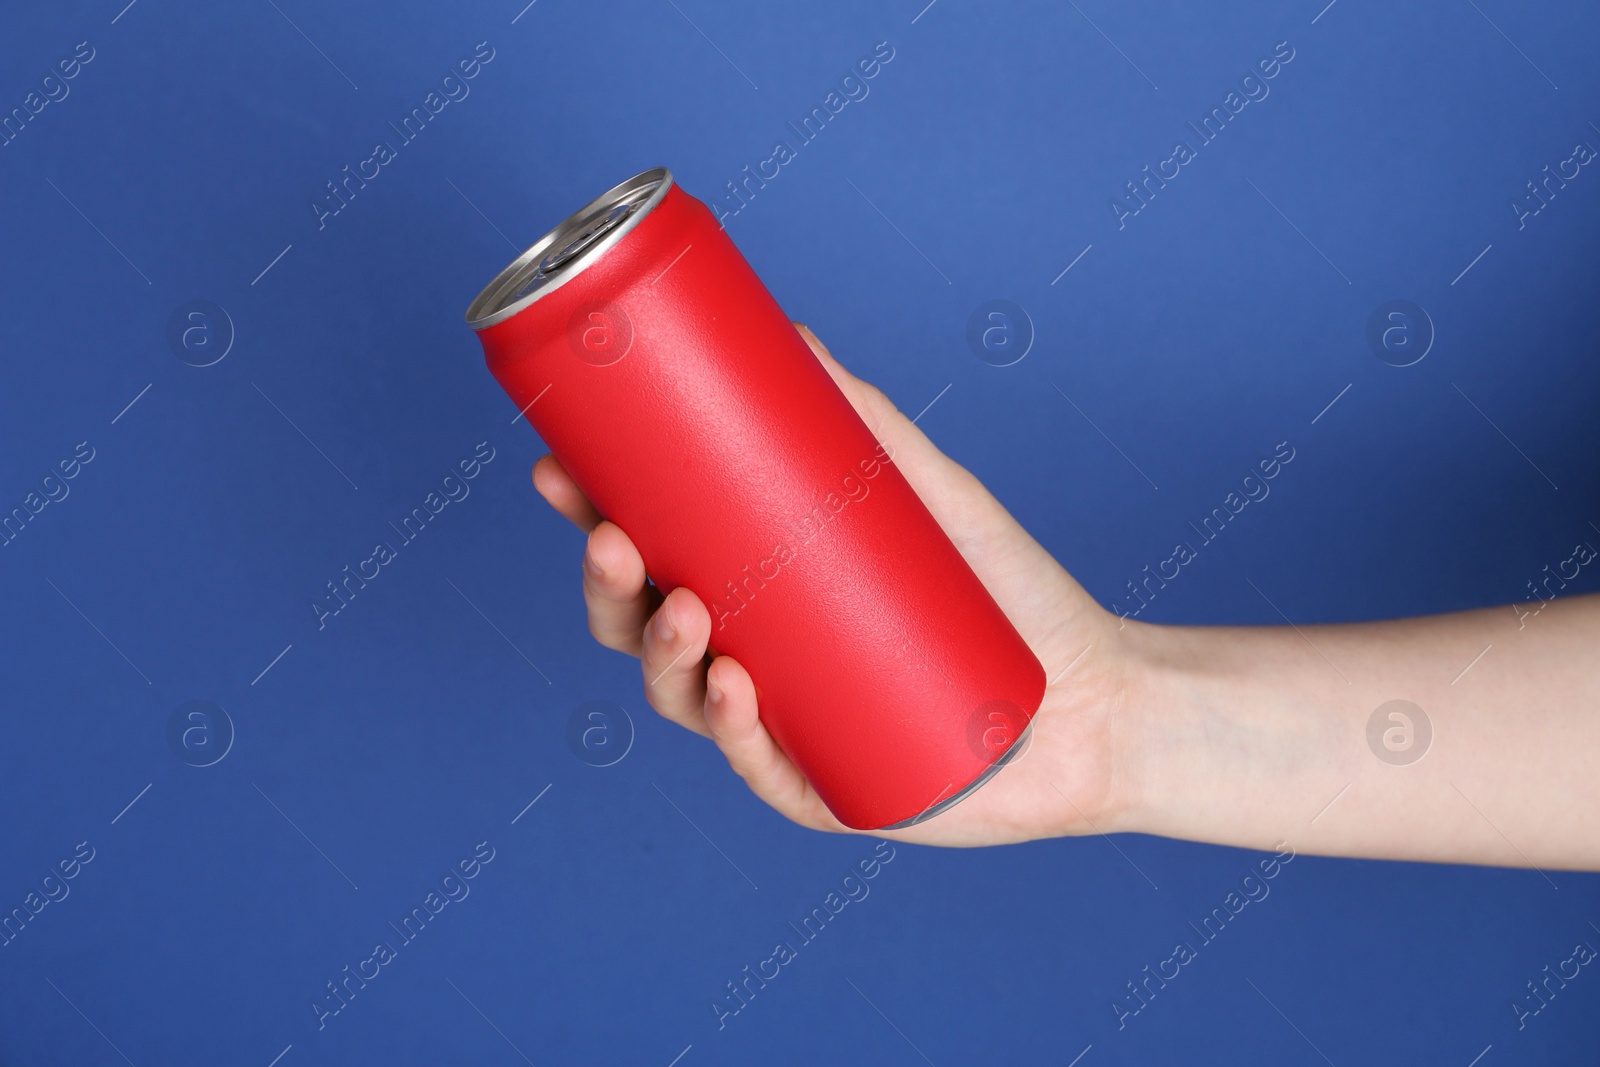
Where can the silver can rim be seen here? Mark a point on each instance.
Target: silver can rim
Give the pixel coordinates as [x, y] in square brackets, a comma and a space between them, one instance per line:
[942, 806]
[497, 302]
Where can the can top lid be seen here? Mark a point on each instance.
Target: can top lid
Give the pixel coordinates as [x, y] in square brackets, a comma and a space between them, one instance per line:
[565, 251]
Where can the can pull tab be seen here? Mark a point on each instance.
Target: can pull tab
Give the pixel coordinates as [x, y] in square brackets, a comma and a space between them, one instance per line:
[591, 233]
[570, 248]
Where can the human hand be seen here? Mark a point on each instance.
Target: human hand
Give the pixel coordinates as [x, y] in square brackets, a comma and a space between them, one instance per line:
[1067, 780]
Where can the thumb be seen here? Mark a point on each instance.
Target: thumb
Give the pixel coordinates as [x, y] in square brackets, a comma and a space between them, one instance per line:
[1026, 581]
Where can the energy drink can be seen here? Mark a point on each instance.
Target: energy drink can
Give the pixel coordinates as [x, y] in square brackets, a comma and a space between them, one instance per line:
[675, 391]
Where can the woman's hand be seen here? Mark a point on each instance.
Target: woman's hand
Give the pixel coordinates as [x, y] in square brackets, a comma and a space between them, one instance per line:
[1260, 737]
[1068, 781]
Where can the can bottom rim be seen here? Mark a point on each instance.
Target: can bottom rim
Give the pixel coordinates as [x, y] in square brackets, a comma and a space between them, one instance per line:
[942, 806]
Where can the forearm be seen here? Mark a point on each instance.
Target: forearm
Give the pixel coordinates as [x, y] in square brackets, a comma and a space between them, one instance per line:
[1253, 736]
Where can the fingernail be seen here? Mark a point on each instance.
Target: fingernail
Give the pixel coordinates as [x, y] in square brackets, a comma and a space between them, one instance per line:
[591, 566]
[713, 693]
[664, 628]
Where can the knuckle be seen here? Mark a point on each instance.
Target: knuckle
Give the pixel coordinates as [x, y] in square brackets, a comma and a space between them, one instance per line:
[610, 635]
[878, 399]
[602, 634]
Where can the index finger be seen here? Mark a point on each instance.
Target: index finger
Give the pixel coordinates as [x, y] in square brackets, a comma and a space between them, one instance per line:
[553, 482]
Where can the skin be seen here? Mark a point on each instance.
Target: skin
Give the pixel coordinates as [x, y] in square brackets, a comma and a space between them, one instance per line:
[1247, 736]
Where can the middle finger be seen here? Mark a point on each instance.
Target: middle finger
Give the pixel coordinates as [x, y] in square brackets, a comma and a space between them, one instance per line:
[673, 660]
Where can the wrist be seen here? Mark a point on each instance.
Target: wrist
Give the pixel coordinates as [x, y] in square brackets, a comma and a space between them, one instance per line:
[1188, 747]
[1127, 696]
[1221, 739]
[1143, 671]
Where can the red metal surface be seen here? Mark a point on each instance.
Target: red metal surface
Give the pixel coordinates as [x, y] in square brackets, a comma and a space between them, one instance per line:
[688, 409]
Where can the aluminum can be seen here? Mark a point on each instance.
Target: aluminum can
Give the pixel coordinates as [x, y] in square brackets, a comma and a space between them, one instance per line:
[663, 375]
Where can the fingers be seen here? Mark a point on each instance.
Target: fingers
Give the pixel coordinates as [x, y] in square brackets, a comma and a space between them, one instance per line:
[553, 482]
[672, 659]
[734, 723]
[669, 635]
[619, 599]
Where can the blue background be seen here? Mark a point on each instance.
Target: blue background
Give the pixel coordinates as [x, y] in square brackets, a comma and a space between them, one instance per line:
[378, 751]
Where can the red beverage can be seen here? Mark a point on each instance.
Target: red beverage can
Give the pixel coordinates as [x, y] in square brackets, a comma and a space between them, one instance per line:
[675, 391]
